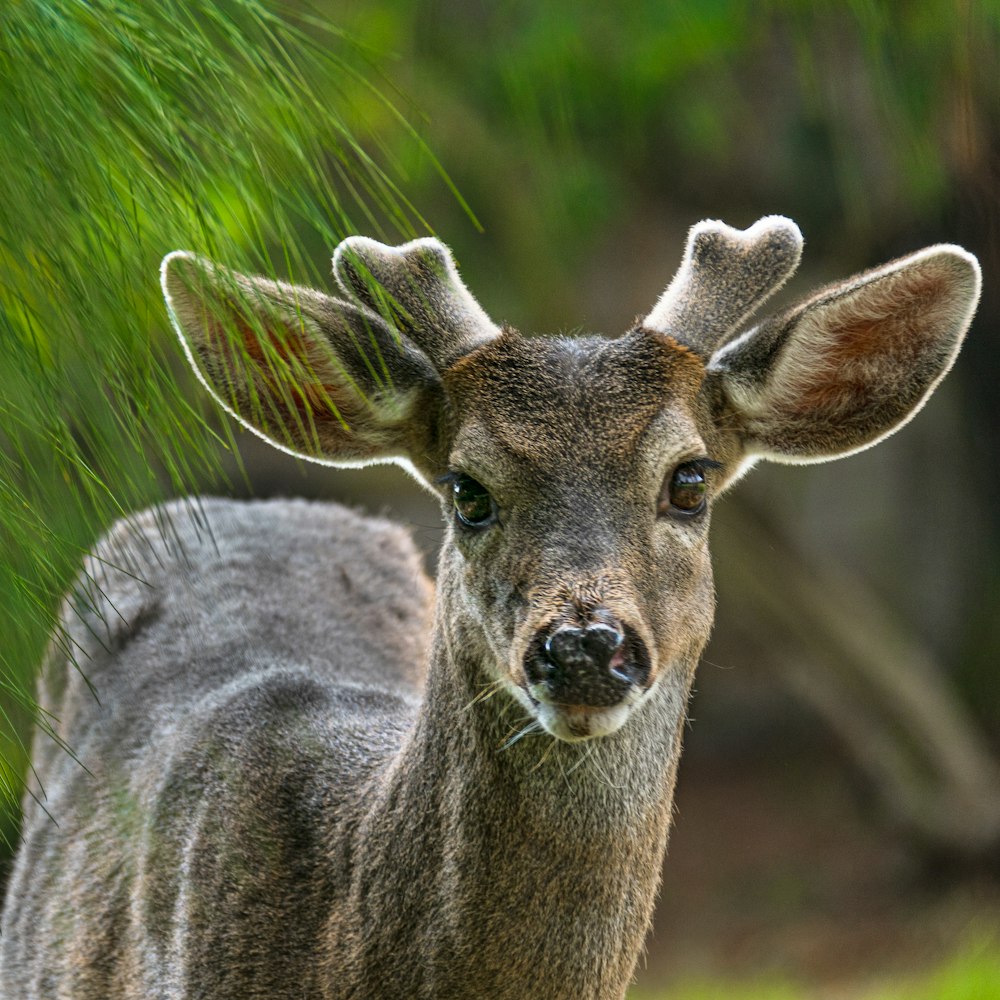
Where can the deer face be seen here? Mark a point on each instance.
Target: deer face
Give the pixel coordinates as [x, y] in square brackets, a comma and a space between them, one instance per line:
[577, 475]
[578, 492]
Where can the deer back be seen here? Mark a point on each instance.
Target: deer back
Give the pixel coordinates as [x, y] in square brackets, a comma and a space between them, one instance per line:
[238, 671]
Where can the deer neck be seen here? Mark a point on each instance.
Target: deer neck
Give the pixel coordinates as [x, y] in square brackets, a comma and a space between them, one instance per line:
[520, 867]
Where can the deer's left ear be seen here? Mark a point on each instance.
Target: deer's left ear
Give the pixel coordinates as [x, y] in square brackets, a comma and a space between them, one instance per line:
[851, 364]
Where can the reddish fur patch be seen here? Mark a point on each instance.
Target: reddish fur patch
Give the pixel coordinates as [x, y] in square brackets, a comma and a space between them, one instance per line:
[671, 342]
[691, 372]
[286, 368]
[864, 342]
[458, 369]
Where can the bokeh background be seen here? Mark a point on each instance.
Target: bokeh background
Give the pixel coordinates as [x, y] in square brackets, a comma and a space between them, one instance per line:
[838, 810]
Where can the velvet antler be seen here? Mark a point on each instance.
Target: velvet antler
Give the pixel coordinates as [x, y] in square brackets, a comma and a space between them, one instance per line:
[416, 289]
[725, 275]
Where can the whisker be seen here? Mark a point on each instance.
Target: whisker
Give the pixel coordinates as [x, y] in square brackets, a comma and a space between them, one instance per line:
[548, 750]
[564, 773]
[601, 774]
[518, 734]
[583, 757]
[487, 692]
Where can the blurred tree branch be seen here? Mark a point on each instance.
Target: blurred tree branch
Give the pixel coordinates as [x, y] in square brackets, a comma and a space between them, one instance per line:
[879, 689]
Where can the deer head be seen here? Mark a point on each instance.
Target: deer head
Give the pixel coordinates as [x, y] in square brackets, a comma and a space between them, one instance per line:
[577, 475]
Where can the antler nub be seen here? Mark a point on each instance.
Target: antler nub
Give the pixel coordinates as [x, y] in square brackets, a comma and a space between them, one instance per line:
[417, 290]
[726, 274]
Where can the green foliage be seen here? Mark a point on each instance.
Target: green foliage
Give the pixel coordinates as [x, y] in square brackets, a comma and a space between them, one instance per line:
[128, 130]
[972, 974]
[860, 120]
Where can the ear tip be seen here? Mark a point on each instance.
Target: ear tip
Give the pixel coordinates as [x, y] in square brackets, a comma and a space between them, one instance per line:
[961, 257]
[963, 268]
[176, 258]
[173, 265]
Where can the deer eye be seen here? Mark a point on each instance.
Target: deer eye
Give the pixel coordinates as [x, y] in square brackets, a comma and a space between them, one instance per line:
[474, 507]
[685, 491]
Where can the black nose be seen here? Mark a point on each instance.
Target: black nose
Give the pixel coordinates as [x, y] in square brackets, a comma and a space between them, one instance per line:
[595, 664]
[590, 648]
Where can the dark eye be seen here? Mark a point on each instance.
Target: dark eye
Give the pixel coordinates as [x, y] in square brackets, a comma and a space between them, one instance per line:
[685, 491]
[474, 507]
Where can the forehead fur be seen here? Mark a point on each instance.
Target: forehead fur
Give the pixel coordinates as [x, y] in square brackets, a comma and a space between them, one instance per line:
[604, 393]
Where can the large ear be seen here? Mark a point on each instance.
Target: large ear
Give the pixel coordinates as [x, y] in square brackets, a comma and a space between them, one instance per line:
[320, 378]
[851, 364]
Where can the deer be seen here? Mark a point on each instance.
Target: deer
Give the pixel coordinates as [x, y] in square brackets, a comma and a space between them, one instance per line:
[299, 772]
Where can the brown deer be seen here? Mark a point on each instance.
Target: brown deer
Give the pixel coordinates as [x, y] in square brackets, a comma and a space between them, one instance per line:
[296, 783]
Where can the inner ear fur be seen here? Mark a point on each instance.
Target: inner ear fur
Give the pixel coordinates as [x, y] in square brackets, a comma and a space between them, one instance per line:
[314, 376]
[852, 363]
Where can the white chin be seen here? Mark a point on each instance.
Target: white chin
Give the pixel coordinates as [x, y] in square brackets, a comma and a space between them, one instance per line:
[577, 724]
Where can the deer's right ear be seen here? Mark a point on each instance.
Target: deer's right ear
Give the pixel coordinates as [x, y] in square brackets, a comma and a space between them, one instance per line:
[321, 378]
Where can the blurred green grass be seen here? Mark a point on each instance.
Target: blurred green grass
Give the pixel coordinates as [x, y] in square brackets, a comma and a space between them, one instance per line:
[973, 973]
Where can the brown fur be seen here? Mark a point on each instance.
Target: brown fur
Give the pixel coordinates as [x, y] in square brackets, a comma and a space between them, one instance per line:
[298, 790]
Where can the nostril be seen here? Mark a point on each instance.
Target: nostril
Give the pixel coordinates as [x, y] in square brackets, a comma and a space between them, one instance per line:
[601, 642]
[633, 667]
[630, 672]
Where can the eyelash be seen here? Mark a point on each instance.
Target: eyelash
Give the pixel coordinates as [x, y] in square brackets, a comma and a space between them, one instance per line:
[703, 465]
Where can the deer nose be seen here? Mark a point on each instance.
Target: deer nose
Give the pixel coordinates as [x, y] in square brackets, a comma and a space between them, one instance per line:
[592, 647]
[595, 664]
